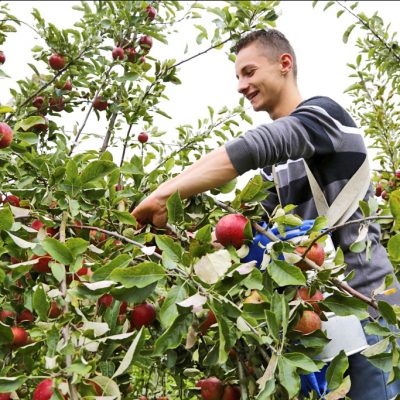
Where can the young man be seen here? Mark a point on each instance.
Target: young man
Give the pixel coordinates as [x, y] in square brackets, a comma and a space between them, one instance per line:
[316, 134]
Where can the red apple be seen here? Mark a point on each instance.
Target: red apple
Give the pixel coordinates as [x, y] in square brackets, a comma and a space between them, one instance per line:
[38, 102]
[145, 42]
[43, 264]
[230, 230]
[56, 103]
[142, 59]
[97, 236]
[378, 189]
[6, 135]
[231, 392]
[131, 54]
[143, 315]
[2, 58]
[100, 104]
[57, 61]
[304, 294]
[13, 200]
[211, 389]
[44, 390]
[54, 311]
[143, 137]
[20, 336]
[37, 224]
[105, 300]
[118, 52]
[67, 85]
[210, 320]
[397, 173]
[25, 315]
[4, 314]
[143, 398]
[5, 396]
[151, 12]
[316, 254]
[308, 323]
[385, 195]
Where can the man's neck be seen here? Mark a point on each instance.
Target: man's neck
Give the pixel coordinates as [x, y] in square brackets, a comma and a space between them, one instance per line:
[291, 100]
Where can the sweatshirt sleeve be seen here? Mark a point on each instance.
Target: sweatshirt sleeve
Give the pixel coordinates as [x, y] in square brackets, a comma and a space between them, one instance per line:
[269, 144]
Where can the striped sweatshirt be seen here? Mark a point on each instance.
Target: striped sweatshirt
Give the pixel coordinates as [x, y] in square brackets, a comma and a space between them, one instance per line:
[320, 132]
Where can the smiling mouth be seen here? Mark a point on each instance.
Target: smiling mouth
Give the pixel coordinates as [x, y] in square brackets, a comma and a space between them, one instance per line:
[251, 96]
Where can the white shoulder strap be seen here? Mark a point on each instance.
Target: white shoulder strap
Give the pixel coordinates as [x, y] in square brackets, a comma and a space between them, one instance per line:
[347, 201]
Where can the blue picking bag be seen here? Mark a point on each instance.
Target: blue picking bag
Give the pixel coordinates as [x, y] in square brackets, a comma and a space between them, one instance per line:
[257, 248]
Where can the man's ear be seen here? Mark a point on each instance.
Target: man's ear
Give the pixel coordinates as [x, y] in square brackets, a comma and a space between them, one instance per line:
[286, 62]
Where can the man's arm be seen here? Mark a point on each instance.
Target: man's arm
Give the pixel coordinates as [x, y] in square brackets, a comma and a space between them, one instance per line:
[212, 170]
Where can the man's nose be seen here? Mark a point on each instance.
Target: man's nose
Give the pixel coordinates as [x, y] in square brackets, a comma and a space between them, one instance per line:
[242, 86]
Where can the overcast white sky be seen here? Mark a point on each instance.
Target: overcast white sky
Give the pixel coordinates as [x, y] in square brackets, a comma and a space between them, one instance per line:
[210, 80]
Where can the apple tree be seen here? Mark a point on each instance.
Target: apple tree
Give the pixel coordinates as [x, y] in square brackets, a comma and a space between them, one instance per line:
[93, 304]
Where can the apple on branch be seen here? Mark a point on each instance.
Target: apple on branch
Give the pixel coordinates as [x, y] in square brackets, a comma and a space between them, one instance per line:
[118, 53]
[2, 58]
[230, 230]
[308, 323]
[57, 61]
[6, 135]
[100, 103]
[316, 254]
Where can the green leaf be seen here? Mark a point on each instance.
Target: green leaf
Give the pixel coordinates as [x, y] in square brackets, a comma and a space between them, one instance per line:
[394, 203]
[341, 391]
[169, 309]
[393, 247]
[172, 248]
[8, 385]
[96, 170]
[343, 305]
[319, 224]
[288, 376]
[374, 328]
[40, 303]
[6, 109]
[129, 355]
[387, 312]
[27, 123]
[254, 186]
[6, 219]
[173, 336]
[347, 33]
[77, 246]
[203, 235]
[125, 217]
[377, 348]
[336, 370]
[58, 251]
[102, 273]
[285, 274]
[140, 275]
[6, 335]
[302, 361]
[175, 209]
[58, 270]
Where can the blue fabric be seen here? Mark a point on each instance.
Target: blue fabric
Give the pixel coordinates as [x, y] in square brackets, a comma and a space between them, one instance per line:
[256, 252]
[315, 381]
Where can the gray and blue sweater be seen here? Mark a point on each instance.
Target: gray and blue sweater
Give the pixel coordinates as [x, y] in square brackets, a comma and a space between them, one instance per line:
[323, 134]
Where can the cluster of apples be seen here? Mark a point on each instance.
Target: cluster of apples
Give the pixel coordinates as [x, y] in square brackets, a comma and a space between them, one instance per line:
[212, 388]
[230, 231]
[386, 186]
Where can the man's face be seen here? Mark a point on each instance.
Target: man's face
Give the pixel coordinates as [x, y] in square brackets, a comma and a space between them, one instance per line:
[260, 78]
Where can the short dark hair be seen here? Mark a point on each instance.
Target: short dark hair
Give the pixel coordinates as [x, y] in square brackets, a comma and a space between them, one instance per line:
[271, 39]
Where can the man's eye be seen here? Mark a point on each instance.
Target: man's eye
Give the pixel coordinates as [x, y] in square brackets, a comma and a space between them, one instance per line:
[250, 73]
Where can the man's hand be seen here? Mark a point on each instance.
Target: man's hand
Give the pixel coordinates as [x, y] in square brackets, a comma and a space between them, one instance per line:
[212, 170]
[153, 209]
